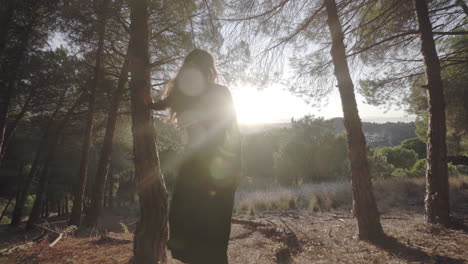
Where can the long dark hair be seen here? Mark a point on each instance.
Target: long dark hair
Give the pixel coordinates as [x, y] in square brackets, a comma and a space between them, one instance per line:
[200, 60]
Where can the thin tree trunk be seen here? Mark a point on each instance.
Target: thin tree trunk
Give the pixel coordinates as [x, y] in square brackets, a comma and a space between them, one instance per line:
[6, 18]
[151, 232]
[6, 208]
[75, 217]
[8, 86]
[97, 195]
[364, 204]
[5, 98]
[59, 207]
[463, 5]
[110, 186]
[38, 159]
[24, 189]
[437, 188]
[66, 204]
[52, 143]
[10, 129]
[47, 206]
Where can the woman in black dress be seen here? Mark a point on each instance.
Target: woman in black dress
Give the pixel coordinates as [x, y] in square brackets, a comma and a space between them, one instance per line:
[203, 197]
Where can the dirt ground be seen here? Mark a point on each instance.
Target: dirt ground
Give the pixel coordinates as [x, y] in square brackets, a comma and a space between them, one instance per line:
[282, 237]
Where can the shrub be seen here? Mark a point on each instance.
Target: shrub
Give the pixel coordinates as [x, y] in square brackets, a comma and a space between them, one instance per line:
[452, 170]
[379, 166]
[400, 173]
[417, 145]
[398, 156]
[419, 169]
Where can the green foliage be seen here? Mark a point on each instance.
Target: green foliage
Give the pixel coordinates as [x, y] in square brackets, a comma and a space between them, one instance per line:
[419, 169]
[453, 171]
[462, 169]
[124, 228]
[398, 156]
[417, 145]
[400, 173]
[312, 153]
[379, 166]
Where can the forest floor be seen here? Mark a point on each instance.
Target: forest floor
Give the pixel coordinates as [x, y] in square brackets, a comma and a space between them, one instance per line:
[291, 236]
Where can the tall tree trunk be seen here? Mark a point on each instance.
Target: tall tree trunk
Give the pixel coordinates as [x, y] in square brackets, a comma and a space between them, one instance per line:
[59, 207]
[52, 143]
[364, 204]
[7, 87]
[66, 204]
[11, 71]
[75, 217]
[7, 11]
[437, 187]
[10, 129]
[110, 186]
[38, 159]
[5, 98]
[150, 239]
[97, 195]
[41, 192]
[23, 190]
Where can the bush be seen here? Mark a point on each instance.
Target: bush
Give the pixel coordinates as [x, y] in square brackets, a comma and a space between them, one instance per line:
[417, 145]
[419, 169]
[398, 156]
[462, 169]
[452, 170]
[400, 173]
[379, 166]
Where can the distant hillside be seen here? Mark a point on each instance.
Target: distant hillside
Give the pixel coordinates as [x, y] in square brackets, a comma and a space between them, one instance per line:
[377, 134]
[257, 128]
[386, 134]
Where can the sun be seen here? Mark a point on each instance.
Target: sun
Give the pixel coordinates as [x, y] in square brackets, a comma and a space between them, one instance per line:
[268, 105]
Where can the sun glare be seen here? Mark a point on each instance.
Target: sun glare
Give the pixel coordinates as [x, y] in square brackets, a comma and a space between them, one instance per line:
[268, 105]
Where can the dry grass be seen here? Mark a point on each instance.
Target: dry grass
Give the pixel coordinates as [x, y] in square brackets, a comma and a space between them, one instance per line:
[325, 236]
[397, 194]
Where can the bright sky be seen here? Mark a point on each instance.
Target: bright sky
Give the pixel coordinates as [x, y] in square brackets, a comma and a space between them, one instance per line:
[272, 105]
[275, 105]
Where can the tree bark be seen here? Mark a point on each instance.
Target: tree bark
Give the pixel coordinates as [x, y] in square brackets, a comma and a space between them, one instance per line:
[365, 208]
[75, 217]
[97, 195]
[437, 187]
[151, 231]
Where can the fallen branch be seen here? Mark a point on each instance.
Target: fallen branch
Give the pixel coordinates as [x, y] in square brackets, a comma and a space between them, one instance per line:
[56, 240]
[61, 235]
[47, 229]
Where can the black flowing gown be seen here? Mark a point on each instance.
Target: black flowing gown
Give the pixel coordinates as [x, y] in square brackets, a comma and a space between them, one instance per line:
[203, 197]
